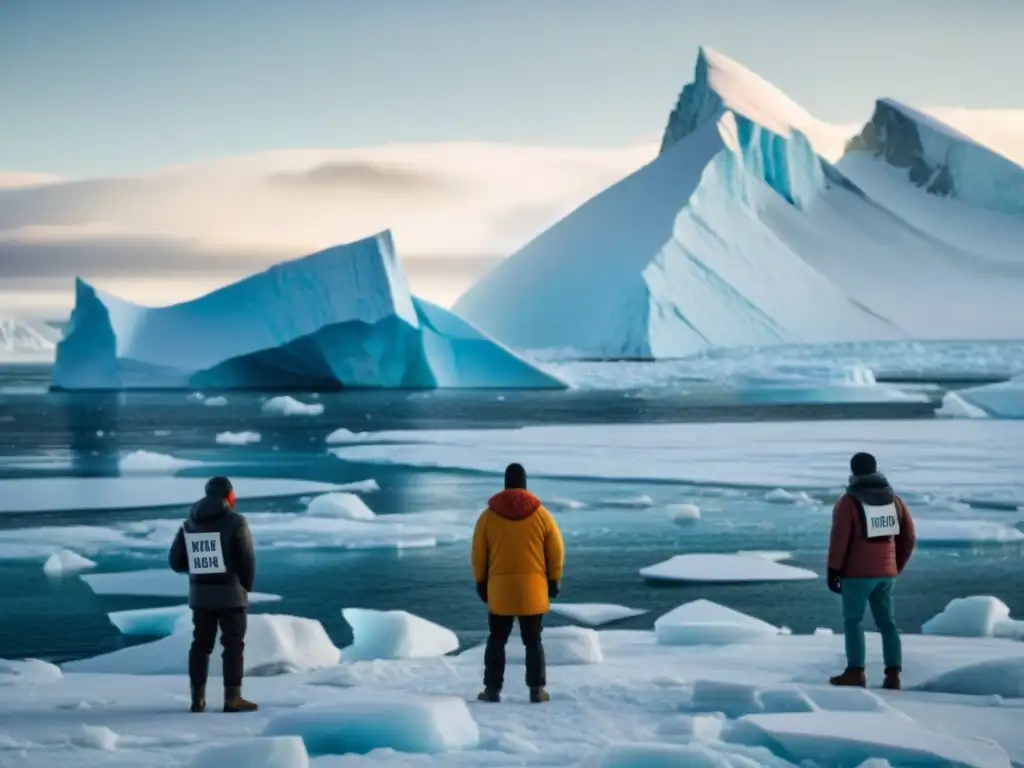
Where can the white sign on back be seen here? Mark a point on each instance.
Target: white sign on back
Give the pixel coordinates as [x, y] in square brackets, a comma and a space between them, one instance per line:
[204, 553]
[881, 521]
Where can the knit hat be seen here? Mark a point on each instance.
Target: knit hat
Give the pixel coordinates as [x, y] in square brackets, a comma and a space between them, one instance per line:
[863, 464]
[218, 487]
[515, 476]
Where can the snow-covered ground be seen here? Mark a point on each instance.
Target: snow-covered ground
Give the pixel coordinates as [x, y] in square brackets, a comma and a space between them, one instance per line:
[732, 693]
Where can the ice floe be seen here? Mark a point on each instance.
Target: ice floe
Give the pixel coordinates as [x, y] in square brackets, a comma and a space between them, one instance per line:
[722, 569]
[940, 532]
[683, 513]
[286, 405]
[702, 622]
[65, 494]
[266, 752]
[237, 438]
[595, 614]
[152, 622]
[65, 561]
[217, 401]
[274, 645]
[151, 463]
[975, 616]
[343, 505]
[395, 635]
[153, 582]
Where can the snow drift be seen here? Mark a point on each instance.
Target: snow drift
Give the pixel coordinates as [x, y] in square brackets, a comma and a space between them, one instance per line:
[343, 317]
[739, 233]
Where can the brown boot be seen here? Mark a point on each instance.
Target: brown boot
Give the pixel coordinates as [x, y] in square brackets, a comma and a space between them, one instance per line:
[490, 695]
[892, 679]
[853, 677]
[198, 700]
[539, 696]
[233, 701]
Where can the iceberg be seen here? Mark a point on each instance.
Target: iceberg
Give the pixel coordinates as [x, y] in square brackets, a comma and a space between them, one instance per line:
[339, 318]
[26, 341]
[741, 234]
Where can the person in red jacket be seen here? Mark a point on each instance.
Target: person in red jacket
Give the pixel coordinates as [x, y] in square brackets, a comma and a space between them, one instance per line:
[871, 543]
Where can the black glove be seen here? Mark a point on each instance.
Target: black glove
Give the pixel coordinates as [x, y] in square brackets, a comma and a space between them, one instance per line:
[481, 590]
[553, 589]
[835, 582]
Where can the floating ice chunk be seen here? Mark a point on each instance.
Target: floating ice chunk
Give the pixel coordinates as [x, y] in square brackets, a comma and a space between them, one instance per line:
[395, 635]
[995, 677]
[782, 496]
[269, 752]
[343, 436]
[563, 503]
[952, 533]
[362, 720]
[196, 397]
[955, 407]
[848, 738]
[723, 569]
[30, 671]
[237, 438]
[595, 614]
[154, 622]
[702, 622]
[286, 405]
[60, 494]
[639, 501]
[274, 645]
[975, 616]
[152, 582]
[150, 463]
[823, 632]
[1004, 400]
[361, 486]
[96, 737]
[683, 513]
[776, 556]
[218, 401]
[343, 505]
[64, 561]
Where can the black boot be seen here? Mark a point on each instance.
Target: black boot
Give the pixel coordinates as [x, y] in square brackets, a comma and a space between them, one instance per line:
[198, 699]
[490, 695]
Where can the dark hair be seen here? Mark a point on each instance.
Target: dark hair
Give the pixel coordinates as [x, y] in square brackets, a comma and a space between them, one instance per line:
[218, 487]
[863, 464]
[515, 476]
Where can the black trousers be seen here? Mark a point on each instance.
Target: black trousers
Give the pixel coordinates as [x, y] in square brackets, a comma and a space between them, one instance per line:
[232, 623]
[530, 628]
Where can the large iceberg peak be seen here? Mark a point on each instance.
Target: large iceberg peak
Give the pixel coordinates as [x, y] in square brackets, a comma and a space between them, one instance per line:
[940, 159]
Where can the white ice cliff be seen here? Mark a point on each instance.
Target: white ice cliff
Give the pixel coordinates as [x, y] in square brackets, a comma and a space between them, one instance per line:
[340, 318]
[740, 233]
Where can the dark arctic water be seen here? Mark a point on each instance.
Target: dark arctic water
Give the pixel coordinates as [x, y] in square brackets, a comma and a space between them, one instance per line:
[61, 435]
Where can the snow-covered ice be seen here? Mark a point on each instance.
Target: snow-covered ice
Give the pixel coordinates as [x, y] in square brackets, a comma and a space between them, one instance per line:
[938, 533]
[154, 582]
[954, 406]
[683, 513]
[274, 645]
[1004, 401]
[152, 463]
[238, 438]
[595, 614]
[339, 504]
[645, 701]
[975, 616]
[361, 721]
[723, 569]
[1003, 678]
[702, 622]
[31, 671]
[65, 561]
[66, 494]
[395, 635]
[286, 405]
[341, 316]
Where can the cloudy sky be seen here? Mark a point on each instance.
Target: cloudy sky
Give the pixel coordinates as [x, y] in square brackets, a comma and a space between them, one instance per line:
[109, 87]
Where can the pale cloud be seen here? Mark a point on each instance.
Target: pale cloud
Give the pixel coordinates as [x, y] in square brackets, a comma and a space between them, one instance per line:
[20, 179]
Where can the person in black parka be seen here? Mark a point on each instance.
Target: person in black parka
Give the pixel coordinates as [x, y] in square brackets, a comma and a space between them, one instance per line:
[214, 547]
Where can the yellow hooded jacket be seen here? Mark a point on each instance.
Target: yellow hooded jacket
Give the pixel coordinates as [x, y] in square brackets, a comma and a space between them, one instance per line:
[517, 549]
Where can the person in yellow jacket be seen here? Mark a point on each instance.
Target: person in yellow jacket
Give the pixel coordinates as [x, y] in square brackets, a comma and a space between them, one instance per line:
[517, 558]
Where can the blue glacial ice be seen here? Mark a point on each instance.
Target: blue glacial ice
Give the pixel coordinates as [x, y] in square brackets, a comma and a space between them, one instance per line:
[340, 318]
[1003, 401]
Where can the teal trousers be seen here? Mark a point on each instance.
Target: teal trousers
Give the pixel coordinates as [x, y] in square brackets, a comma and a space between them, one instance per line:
[876, 594]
